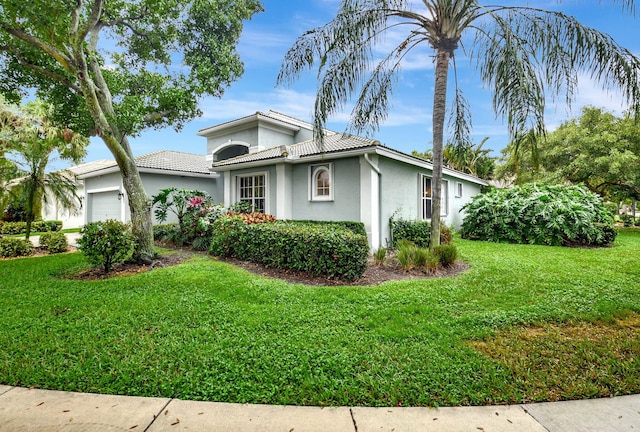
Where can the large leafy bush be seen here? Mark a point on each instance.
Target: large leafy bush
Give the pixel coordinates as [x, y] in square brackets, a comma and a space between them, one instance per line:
[536, 214]
[106, 243]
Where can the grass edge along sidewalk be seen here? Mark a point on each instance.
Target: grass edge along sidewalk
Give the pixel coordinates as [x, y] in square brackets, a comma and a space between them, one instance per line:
[205, 330]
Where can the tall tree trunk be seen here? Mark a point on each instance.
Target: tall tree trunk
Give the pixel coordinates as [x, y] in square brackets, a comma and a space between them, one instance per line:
[139, 206]
[100, 106]
[438, 116]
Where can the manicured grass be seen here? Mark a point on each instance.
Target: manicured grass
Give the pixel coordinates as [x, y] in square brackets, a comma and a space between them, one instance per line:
[206, 330]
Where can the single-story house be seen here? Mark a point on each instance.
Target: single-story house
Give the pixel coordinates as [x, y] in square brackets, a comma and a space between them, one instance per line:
[272, 161]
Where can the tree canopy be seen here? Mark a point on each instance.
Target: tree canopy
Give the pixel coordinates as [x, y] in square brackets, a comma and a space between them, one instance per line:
[597, 149]
[113, 68]
[29, 142]
[523, 55]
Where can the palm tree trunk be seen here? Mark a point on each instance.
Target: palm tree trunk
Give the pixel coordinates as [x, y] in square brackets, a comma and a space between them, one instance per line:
[438, 116]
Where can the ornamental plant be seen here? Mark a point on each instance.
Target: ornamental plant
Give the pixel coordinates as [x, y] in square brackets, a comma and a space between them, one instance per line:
[54, 242]
[107, 243]
[540, 214]
[15, 247]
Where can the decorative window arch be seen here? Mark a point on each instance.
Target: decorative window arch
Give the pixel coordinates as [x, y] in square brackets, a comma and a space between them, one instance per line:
[321, 182]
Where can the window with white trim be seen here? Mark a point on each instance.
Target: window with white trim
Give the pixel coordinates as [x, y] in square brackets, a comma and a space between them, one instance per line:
[253, 189]
[426, 194]
[321, 182]
[458, 189]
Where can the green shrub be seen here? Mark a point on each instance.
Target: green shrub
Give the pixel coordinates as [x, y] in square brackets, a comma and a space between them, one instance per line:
[106, 243]
[446, 254]
[355, 227]
[627, 220]
[15, 247]
[11, 228]
[419, 232]
[380, 256]
[226, 235]
[317, 249]
[54, 242]
[166, 233]
[547, 215]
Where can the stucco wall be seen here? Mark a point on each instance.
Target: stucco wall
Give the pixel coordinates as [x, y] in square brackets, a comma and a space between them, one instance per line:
[346, 199]
[400, 195]
[153, 183]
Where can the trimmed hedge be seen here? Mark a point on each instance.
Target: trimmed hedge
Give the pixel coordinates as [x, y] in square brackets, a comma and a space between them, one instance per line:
[54, 242]
[322, 249]
[11, 228]
[538, 214]
[15, 247]
[355, 227]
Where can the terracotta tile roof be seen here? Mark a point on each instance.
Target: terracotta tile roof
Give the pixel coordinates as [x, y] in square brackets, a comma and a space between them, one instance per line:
[332, 143]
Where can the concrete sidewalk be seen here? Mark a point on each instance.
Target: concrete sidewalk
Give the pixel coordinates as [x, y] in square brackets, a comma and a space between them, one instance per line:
[51, 411]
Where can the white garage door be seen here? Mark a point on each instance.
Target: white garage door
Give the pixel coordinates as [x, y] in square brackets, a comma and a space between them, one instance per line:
[104, 205]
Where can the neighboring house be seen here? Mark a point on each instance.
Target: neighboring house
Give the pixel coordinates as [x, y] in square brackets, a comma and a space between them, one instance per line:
[105, 197]
[271, 161]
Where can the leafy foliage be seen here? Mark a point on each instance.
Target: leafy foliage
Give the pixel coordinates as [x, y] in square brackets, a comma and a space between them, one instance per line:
[537, 214]
[523, 54]
[15, 247]
[54, 242]
[106, 243]
[416, 231]
[162, 57]
[37, 226]
[317, 249]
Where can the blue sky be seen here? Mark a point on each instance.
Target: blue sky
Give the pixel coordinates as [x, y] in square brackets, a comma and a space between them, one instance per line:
[267, 37]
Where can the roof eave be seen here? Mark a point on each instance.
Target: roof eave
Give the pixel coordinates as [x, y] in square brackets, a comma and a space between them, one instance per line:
[255, 118]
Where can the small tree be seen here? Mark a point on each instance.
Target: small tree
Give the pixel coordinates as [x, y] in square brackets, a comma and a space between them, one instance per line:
[161, 57]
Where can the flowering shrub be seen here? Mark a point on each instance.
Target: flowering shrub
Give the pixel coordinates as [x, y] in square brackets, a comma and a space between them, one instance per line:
[253, 218]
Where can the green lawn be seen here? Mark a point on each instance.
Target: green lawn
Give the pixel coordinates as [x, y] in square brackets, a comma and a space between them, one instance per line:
[524, 323]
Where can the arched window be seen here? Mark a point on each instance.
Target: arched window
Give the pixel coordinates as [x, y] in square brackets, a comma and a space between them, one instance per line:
[321, 183]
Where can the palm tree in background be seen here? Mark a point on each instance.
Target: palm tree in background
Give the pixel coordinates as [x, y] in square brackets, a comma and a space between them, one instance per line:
[522, 54]
[30, 142]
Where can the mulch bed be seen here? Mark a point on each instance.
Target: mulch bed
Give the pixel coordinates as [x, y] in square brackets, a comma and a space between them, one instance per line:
[373, 275]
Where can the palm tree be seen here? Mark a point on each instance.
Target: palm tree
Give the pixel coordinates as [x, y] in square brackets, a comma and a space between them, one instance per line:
[30, 142]
[522, 54]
